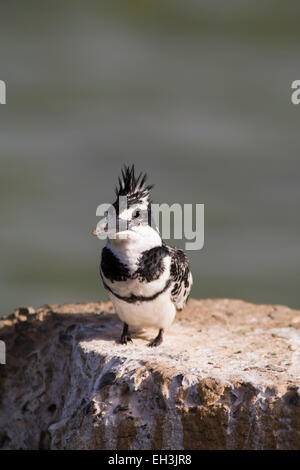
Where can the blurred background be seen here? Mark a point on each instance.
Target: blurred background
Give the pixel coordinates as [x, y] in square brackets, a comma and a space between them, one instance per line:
[196, 93]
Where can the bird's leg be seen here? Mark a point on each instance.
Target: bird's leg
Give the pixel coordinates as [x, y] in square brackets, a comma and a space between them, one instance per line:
[158, 340]
[125, 335]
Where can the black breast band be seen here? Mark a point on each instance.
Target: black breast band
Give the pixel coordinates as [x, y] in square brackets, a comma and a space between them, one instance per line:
[137, 298]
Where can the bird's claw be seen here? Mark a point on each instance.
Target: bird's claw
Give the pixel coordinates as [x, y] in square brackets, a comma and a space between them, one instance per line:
[125, 339]
[155, 342]
[158, 340]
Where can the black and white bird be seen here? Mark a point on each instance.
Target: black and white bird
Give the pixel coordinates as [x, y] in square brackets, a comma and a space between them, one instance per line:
[146, 280]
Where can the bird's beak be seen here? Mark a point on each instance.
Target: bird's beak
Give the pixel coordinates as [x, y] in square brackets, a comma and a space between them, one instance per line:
[111, 228]
[101, 230]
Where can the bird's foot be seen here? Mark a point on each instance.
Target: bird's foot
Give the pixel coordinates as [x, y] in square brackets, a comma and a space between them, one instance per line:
[125, 339]
[154, 343]
[157, 341]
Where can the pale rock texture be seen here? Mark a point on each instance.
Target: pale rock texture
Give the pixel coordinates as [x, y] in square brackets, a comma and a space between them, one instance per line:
[227, 376]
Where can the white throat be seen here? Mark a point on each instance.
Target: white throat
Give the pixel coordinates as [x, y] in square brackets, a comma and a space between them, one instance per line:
[137, 240]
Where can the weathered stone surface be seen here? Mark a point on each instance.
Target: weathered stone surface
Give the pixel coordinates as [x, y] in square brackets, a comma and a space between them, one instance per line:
[226, 377]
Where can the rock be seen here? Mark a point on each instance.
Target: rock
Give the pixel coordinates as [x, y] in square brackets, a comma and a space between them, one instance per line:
[227, 376]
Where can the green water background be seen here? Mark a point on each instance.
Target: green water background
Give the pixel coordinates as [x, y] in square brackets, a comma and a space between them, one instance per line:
[195, 93]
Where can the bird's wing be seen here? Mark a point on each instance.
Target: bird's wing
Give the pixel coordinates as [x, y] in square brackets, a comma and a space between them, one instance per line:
[181, 277]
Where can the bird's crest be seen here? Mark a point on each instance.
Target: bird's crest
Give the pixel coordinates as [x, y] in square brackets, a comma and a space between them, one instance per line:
[134, 187]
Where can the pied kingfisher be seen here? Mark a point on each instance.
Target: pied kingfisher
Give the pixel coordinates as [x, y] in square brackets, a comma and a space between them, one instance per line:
[146, 280]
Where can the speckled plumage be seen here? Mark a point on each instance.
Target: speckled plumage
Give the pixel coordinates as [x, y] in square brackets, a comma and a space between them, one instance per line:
[146, 279]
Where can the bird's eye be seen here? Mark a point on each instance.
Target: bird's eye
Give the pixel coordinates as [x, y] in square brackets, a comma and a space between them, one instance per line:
[136, 214]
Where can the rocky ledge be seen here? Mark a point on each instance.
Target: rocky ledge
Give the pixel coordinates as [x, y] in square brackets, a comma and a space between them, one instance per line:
[227, 376]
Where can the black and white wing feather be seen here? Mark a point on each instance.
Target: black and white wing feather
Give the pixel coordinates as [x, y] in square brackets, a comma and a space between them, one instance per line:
[181, 277]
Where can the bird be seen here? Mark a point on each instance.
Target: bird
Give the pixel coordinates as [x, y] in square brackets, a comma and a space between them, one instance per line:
[147, 280]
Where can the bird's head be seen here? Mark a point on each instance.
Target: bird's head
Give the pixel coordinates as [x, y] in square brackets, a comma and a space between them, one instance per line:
[129, 217]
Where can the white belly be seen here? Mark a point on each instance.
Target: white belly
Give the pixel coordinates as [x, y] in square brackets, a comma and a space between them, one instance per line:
[158, 313]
